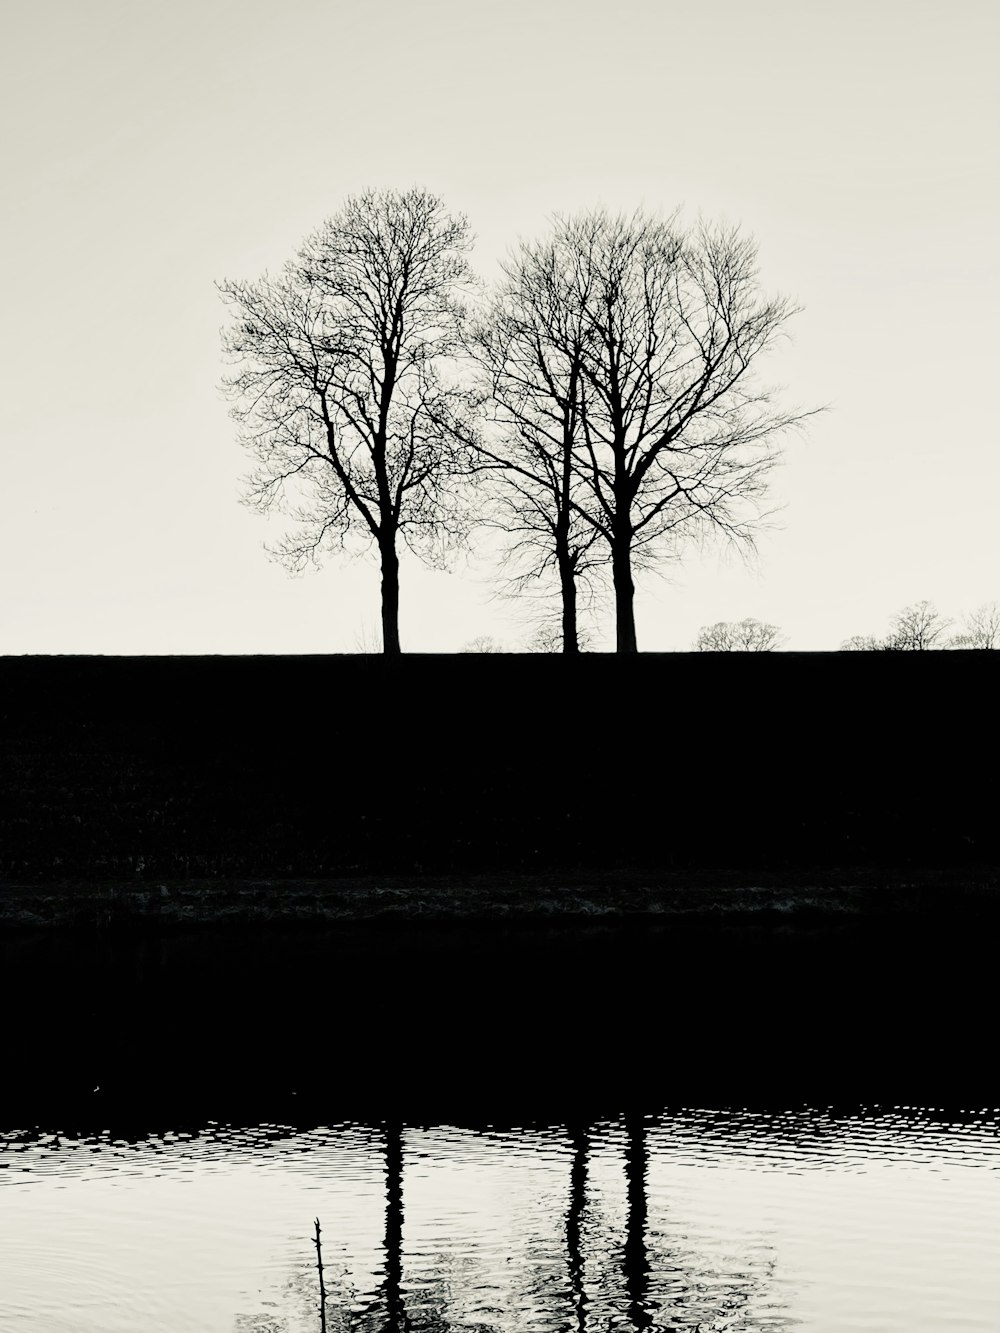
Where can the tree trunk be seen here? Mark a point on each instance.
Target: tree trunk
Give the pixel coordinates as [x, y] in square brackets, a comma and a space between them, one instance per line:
[567, 580]
[621, 571]
[390, 598]
[567, 569]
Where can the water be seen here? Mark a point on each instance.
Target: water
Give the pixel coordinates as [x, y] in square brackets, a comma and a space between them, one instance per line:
[885, 1219]
[563, 1131]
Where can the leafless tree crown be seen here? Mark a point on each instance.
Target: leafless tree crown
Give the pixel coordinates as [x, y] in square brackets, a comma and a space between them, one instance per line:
[617, 408]
[980, 628]
[529, 346]
[483, 643]
[748, 636]
[915, 628]
[863, 643]
[341, 381]
[624, 353]
[677, 431]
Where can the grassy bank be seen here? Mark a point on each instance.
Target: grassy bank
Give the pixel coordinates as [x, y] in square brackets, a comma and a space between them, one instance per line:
[797, 900]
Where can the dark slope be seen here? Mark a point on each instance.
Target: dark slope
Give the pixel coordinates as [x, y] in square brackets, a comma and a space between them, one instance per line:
[165, 768]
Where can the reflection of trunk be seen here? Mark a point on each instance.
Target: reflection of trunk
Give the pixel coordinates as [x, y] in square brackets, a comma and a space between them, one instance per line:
[396, 1321]
[390, 597]
[636, 1264]
[387, 1314]
[574, 1220]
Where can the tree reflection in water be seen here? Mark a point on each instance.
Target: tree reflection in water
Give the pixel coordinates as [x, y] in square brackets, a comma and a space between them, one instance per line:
[636, 1262]
[705, 1299]
[574, 1223]
[387, 1312]
[659, 1288]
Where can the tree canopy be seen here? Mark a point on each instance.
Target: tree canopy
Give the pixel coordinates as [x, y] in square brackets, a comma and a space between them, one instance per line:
[603, 407]
[344, 383]
[623, 357]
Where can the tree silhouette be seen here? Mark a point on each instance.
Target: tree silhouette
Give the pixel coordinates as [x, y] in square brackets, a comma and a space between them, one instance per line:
[341, 384]
[863, 643]
[529, 346]
[747, 636]
[980, 628]
[482, 643]
[673, 437]
[548, 638]
[916, 628]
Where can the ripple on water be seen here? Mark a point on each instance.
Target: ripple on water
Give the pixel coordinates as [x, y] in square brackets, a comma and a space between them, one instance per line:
[877, 1218]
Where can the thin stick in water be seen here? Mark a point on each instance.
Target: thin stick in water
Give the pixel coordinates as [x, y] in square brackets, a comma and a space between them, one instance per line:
[322, 1288]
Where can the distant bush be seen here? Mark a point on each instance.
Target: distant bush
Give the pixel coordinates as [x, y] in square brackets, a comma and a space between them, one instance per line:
[980, 628]
[483, 643]
[916, 628]
[739, 636]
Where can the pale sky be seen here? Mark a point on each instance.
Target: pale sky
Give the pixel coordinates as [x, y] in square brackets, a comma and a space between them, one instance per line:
[152, 148]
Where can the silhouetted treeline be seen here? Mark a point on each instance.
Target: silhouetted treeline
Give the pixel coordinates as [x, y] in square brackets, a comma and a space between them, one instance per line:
[601, 407]
[150, 768]
[921, 628]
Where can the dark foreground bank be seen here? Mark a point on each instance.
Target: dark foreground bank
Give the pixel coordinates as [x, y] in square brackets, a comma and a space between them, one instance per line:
[162, 770]
[486, 1022]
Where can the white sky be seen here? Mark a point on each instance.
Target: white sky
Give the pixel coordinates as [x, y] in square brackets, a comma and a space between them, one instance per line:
[151, 148]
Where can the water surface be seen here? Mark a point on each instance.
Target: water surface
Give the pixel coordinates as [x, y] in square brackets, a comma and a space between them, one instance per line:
[499, 1131]
[882, 1219]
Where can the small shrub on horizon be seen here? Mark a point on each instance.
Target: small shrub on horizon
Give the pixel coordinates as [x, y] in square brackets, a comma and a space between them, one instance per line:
[483, 643]
[738, 636]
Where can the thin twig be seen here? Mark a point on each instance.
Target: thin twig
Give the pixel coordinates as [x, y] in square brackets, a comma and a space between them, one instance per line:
[322, 1288]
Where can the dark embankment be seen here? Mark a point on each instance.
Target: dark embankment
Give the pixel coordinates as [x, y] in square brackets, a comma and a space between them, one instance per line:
[486, 1022]
[676, 770]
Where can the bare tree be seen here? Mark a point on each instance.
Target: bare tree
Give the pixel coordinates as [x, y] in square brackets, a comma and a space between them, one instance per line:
[864, 643]
[341, 383]
[729, 636]
[529, 346]
[980, 628]
[547, 637]
[917, 628]
[368, 639]
[913, 629]
[483, 643]
[674, 437]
